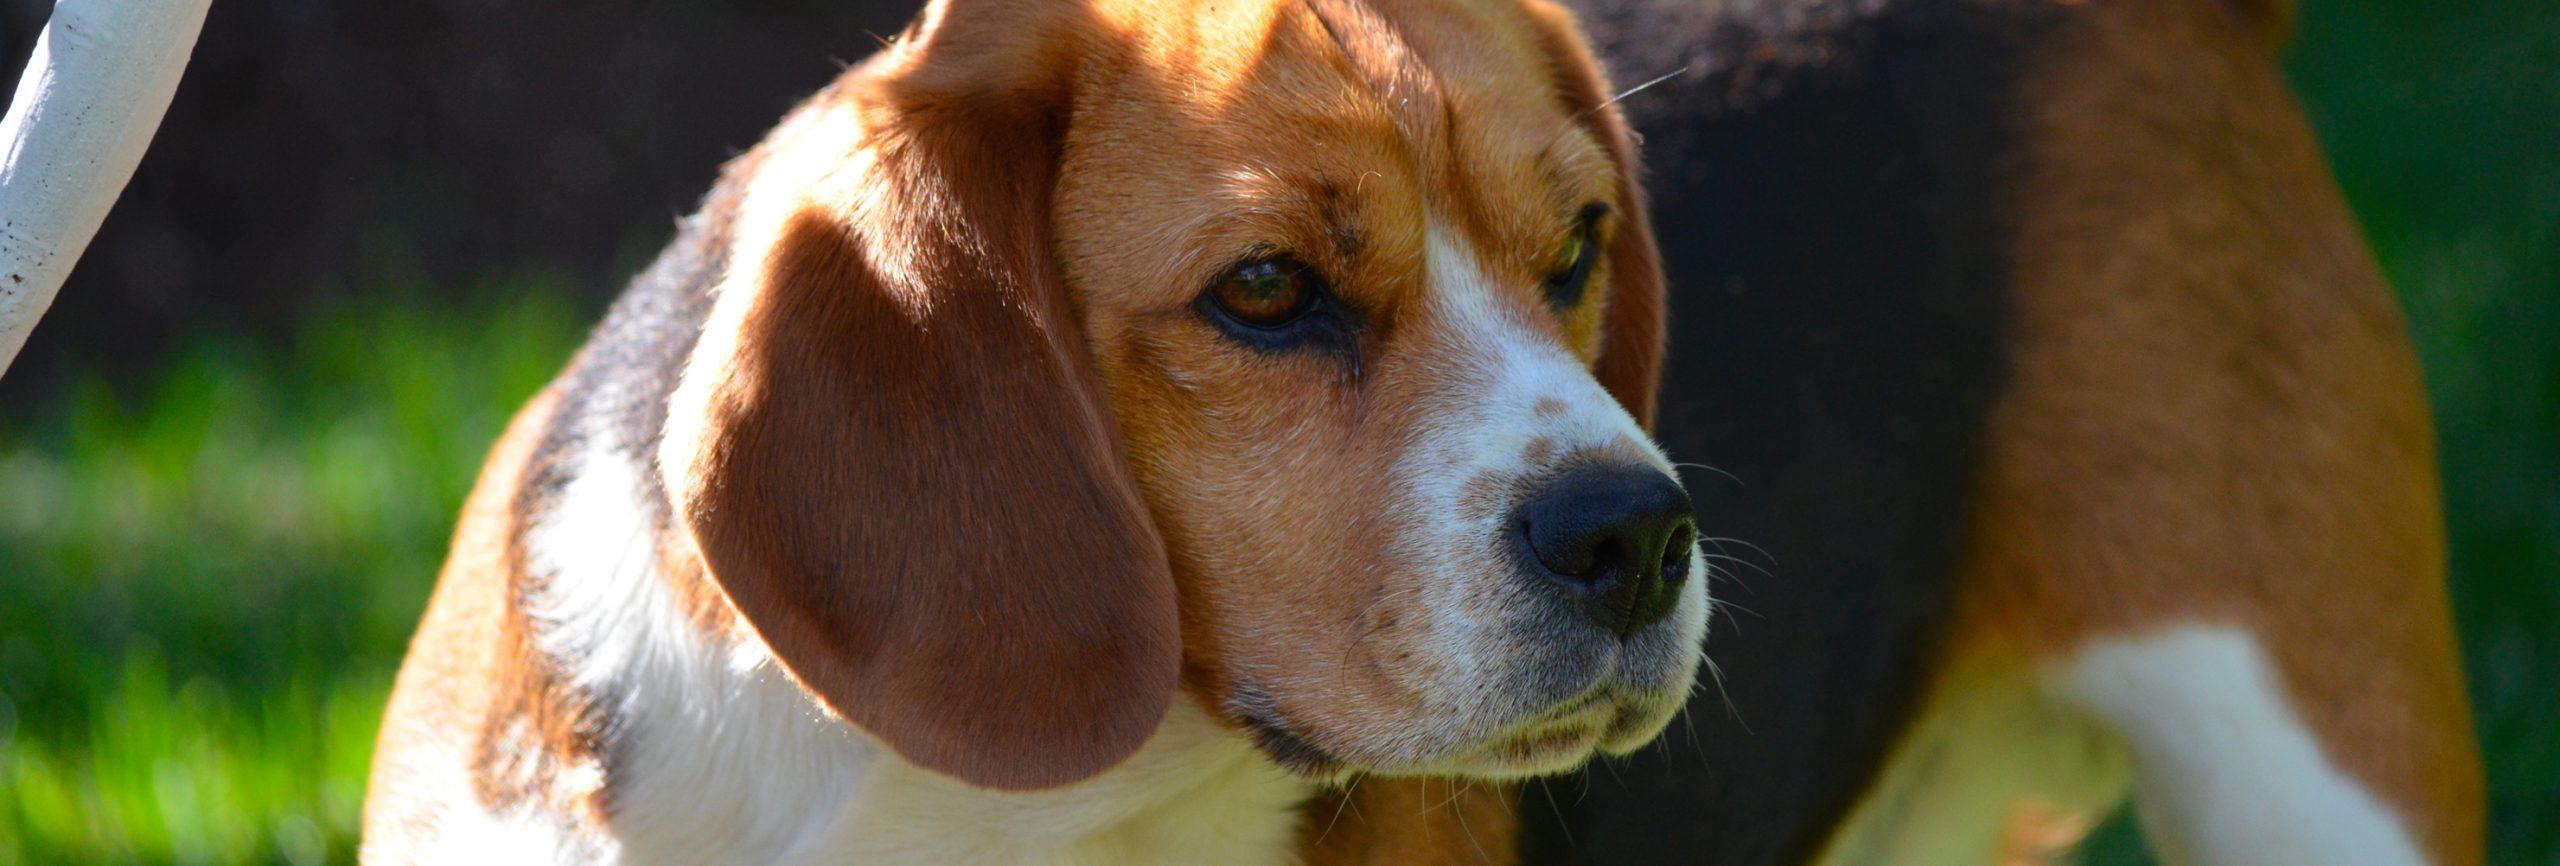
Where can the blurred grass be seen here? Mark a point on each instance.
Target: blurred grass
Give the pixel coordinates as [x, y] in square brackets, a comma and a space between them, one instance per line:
[2444, 123]
[205, 586]
[204, 590]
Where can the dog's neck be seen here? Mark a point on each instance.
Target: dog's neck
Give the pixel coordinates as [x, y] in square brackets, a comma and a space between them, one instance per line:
[710, 753]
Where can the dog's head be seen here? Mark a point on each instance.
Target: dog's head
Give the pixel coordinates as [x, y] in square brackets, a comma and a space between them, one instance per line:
[1291, 355]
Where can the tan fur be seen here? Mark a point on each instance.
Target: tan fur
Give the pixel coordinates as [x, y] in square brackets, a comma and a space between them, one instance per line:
[1438, 821]
[2217, 416]
[939, 284]
[1413, 822]
[1225, 457]
[474, 691]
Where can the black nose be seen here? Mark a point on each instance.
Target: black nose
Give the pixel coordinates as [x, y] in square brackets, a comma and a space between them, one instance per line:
[1617, 539]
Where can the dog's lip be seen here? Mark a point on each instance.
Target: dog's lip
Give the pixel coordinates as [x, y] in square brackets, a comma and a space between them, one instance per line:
[1579, 704]
[1286, 747]
[1259, 713]
[1576, 725]
[1547, 743]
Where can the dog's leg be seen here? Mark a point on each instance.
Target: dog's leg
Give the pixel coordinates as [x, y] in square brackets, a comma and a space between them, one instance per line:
[2208, 517]
[2225, 771]
[1989, 772]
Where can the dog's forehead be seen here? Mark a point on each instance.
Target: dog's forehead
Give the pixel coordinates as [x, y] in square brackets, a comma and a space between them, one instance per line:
[1383, 116]
[1447, 79]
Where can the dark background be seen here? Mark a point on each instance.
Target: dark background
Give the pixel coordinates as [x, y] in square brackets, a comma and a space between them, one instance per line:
[317, 148]
[230, 456]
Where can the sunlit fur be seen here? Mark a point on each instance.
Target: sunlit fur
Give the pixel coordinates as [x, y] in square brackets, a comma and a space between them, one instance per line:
[593, 686]
[1335, 518]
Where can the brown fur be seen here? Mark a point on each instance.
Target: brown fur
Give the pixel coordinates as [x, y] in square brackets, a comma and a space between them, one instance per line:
[954, 420]
[1224, 442]
[481, 694]
[1413, 822]
[2217, 416]
[1418, 821]
[926, 346]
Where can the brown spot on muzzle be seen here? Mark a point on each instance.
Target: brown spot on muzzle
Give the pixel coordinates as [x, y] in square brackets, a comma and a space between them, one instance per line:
[1537, 451]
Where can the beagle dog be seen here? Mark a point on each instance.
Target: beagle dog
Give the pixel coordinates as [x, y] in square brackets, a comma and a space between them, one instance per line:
[1078, 434]
[2079, 435]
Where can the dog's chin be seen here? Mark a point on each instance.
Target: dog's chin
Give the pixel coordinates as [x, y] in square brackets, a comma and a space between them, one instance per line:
[1562, 740]
[1541, 751]
[1557, 740]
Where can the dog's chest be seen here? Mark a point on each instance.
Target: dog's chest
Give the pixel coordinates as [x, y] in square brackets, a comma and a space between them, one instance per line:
[716, 756]
[813, 791]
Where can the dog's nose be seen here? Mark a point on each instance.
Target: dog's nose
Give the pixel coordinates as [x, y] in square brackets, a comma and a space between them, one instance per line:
[1617, 539]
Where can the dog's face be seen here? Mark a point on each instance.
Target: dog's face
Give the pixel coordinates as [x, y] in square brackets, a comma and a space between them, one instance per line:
[1345, 277]
[1288, 354]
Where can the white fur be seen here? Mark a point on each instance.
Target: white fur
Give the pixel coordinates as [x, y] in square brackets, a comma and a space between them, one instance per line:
[1505, 368]
[717, 757]
[466, 834]
[1515, 366]
[2223, 772]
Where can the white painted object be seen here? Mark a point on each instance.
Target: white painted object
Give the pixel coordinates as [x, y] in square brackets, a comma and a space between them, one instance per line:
[92, 94]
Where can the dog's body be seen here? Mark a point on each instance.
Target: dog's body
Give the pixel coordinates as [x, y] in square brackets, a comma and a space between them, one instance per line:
[2080, 435]
[1076, 436]
[2084, 442]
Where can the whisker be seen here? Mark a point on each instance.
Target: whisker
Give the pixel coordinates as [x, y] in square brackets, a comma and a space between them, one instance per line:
[1482, 856]
[1570, 129]
[1754, 566]
[1716, 673]
[1720, 541]
[1736, 479]
[1722, 605]
[1347, 792]
[1640, 88]
[1689, 721]
[1547, 792]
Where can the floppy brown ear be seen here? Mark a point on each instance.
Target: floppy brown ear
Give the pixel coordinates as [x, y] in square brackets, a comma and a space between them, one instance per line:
[891, 448]
[1631, 349]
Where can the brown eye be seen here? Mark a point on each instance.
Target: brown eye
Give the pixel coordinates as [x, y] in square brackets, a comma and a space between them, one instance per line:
[1268, 293]
[1275, 303]
[1570, 272]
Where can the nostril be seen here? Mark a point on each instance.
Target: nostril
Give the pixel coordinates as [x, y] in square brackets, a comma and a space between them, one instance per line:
[1616, 539]
[1563, 546]
[1606, 556]
[1675, 554]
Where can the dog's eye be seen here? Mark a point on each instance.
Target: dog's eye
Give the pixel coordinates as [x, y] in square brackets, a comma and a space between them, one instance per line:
[1277, 303]
[1570, 271]
[1265, 293]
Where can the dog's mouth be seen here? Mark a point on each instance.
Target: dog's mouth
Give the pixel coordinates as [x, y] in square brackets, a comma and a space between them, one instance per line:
[1554, 740]
[1292, 752]
[1259, 713]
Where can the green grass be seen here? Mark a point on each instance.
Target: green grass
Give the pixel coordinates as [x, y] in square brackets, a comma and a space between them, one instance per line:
[205, 587]
[203, 593]
[2444, 122]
